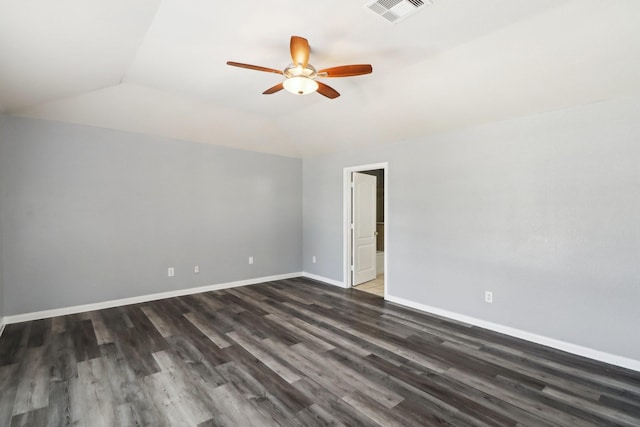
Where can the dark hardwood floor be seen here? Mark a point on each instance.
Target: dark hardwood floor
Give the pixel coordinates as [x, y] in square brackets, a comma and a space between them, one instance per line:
[295, 352]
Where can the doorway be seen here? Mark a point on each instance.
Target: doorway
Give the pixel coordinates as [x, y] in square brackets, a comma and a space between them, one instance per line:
[365, 227]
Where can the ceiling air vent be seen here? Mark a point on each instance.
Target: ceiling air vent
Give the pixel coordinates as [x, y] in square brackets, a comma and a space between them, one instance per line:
[396, 10]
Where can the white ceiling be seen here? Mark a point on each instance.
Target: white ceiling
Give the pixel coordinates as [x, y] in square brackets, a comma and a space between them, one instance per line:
[159, 67]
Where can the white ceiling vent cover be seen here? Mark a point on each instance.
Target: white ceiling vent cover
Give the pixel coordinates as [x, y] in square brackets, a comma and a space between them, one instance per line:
[397, 10]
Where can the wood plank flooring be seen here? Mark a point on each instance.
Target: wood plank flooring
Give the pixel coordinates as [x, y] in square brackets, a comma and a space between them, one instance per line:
[295, 353]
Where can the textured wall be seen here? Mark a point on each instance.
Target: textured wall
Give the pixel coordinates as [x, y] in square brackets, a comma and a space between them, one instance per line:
[2, 120]
[90, 215]
[542, 210]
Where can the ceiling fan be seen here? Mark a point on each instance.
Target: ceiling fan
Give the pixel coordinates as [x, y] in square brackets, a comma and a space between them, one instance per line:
[300, 76]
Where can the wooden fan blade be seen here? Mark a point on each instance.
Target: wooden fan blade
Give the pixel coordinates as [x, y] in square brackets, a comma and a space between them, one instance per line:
[299, 47]
[276, 88]
[327, 90]
[346, 70]
[254, 67]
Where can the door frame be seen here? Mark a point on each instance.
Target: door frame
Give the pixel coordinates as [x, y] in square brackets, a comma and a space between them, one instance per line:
[347, 210]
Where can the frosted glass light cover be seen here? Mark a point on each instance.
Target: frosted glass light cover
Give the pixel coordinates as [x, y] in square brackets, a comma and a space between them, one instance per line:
[300, 85]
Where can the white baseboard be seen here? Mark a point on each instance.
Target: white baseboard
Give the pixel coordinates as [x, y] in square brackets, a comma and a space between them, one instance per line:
[324, 279]
[139, 299]
[528, 336]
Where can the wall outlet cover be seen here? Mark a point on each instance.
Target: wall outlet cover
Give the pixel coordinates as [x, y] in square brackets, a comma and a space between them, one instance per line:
[488, 297]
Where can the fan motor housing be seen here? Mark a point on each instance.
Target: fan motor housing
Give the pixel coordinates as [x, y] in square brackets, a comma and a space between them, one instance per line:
[294, 70]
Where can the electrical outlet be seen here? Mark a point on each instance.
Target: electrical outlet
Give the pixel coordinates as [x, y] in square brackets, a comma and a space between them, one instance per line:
[313, 259]
[171, 272]
[196, 269]
[488, 297]
[250, 260]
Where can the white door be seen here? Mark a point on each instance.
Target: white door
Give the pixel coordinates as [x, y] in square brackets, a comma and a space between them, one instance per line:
[364, 228]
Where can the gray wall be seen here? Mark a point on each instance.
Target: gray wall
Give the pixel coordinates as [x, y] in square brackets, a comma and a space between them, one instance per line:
[90, 214]
[544, 211]
[2, 120]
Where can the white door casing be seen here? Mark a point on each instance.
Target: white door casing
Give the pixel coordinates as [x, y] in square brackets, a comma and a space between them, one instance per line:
[364, 227]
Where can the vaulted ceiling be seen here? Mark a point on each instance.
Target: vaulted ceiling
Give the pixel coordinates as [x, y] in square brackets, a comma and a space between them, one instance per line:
[159, 67]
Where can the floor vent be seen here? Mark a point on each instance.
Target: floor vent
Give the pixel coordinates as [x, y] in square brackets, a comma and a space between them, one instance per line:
[397, 10]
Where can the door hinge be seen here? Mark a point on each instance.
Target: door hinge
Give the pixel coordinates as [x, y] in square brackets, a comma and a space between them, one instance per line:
[351, 225]
[352, 268]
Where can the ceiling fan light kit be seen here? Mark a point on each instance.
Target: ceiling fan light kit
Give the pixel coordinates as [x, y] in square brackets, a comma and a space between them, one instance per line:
[300, 80]
[300, 85]
[300, 76]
